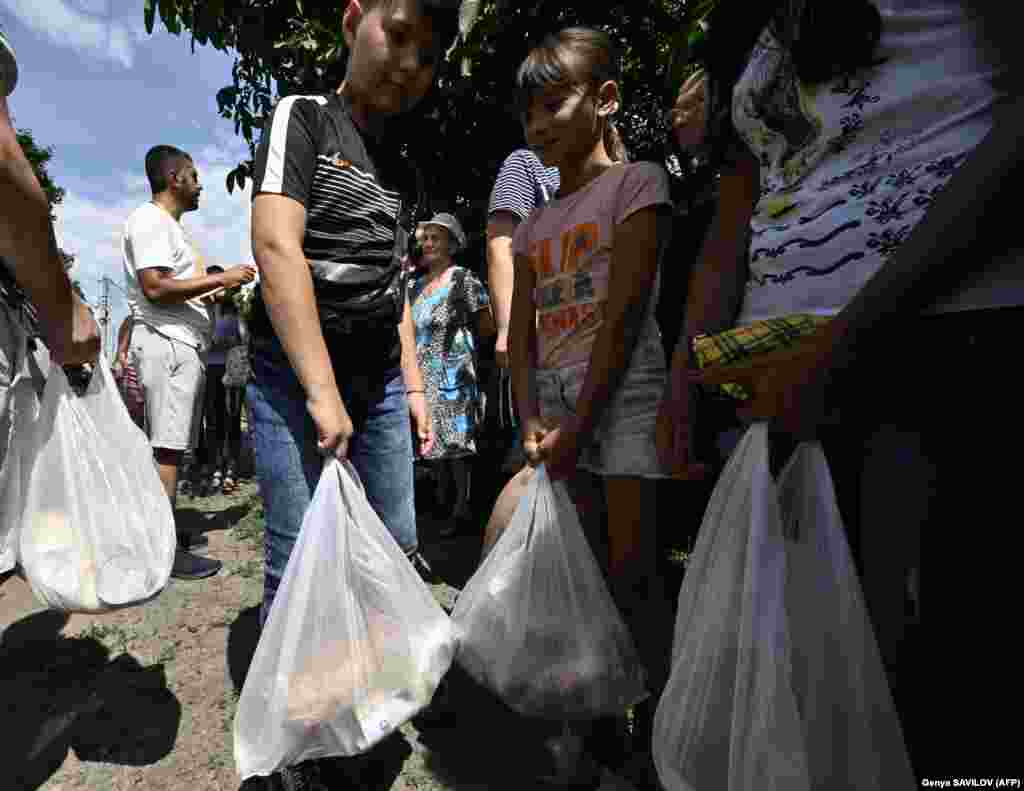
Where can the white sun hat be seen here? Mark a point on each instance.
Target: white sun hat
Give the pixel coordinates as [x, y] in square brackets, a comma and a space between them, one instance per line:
[452, 224]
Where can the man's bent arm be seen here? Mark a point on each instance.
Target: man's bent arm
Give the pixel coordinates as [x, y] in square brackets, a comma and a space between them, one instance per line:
[160, 286]
[278, 225]
[30, 249]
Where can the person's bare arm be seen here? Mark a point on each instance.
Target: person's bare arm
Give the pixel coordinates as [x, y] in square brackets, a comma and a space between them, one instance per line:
[28, 246]
[523, 335]
[640, 242]
[713, 300]
[501, 277]
[124, 335]
[278, 227]
[419, 410]
[716, 284]
[160, 286]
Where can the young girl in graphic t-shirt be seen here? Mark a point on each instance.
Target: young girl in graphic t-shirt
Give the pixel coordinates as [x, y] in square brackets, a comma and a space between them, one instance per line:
[588, 365]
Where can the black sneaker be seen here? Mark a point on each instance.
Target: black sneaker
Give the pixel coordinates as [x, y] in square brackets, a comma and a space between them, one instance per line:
[193, 541]
[302, 777]
[192, 567]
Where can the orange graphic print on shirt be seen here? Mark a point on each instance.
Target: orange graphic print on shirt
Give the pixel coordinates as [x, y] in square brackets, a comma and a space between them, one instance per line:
[568, 305]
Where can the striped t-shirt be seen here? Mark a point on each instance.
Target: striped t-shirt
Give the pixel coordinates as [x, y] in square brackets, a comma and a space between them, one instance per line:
[523, 184]
[351, 187]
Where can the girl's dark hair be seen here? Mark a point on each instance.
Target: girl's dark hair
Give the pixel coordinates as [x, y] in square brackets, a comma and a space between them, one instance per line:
[835, 37]
[571, 58]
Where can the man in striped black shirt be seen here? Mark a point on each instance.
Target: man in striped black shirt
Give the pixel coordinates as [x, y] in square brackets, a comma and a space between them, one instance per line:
[334, 357]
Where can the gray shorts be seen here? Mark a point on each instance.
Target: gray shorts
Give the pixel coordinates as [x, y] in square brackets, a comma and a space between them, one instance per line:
[624, 441]
[173, 375]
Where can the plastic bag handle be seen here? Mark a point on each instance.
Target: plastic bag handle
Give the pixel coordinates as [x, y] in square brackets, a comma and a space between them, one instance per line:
[106, 376]
[346, 466]
[540, 478]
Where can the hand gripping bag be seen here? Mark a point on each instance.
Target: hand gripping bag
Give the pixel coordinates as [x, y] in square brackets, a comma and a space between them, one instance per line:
[97, 529]
[536, 623]
[763, 695]
[354, 645]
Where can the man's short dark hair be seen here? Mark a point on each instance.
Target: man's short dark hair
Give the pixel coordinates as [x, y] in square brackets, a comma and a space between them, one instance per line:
[160, 160]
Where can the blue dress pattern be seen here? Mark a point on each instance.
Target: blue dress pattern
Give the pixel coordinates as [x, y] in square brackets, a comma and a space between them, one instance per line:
[446, 351]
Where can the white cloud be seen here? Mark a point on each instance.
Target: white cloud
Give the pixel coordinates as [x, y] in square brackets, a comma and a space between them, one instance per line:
[86, 31]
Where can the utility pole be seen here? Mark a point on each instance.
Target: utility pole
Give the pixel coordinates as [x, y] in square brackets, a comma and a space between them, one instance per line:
[109, 335]
[104, 314]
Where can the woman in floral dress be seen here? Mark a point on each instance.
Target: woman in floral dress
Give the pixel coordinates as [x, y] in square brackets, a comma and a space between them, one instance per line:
[451, 311]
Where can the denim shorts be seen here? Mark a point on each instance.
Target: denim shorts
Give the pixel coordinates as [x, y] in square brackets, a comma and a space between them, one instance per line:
[288, 463]
[624, 442]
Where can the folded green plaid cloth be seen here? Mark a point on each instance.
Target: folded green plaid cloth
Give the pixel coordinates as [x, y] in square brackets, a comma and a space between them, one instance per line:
[741, 343]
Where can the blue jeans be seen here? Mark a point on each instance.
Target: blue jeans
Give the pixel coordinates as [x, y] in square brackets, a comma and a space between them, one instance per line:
[288, 464]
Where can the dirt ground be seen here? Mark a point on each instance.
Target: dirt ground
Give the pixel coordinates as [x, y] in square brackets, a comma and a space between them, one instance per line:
[144, 698]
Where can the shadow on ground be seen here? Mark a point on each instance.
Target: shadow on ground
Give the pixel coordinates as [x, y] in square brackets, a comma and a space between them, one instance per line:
[195, 521]
[243, 636]
[468, 733]
[64, 693]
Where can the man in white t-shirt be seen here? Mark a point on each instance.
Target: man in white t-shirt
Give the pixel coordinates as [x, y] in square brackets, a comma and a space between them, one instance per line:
[170, 293]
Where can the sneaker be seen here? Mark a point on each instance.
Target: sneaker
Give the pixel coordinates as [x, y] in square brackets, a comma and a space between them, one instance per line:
[193, 540]
[8, 67]
[423, 568]
[192, 567]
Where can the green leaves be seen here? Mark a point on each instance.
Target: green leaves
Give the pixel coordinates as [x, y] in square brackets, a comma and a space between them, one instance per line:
[239, 175]
[296, 46]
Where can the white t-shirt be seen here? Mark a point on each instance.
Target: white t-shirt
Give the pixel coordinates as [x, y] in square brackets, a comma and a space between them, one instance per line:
[849, 167]
[153, 238]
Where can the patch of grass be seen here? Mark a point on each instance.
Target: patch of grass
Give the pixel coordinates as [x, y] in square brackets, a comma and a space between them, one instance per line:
[248, 568]
[228, 706]
[167, 654]
[679, 557]
[113, 636]
[250, 527]
[216, 761]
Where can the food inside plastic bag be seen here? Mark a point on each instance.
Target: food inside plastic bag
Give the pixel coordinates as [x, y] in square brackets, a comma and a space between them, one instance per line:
[65, 560]
[536, 622]
[354, 645]
[362, 677]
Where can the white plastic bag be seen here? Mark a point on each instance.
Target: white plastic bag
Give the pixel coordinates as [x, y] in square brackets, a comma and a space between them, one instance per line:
[97, 530]
[22, 410]
[536, 622]
[776, 681]
[354, 645]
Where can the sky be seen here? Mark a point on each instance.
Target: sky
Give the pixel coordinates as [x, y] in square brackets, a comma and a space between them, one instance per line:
[100, 91]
